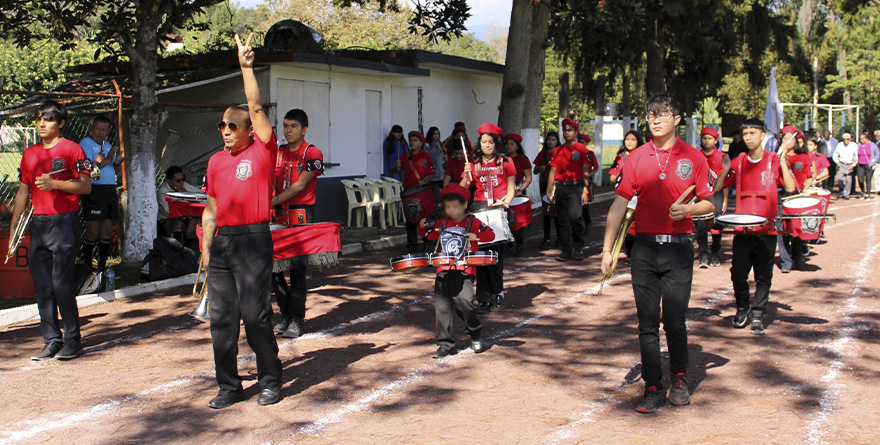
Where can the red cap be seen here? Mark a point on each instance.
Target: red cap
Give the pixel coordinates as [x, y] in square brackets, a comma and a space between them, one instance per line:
[789, 129]
[455, 189]
[574, 124]
[513, 136]
[585, 137]
[417, 134]
[488, 128]
[460, 128]
[710, 131]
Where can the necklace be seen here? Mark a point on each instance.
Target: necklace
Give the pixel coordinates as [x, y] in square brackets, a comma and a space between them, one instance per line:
[663, 167]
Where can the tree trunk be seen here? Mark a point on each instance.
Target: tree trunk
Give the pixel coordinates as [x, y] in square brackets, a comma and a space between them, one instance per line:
[655, 61]
[844, 77]
[516, 67]
[598, 141]
[531, 115]
[564, 98]
[626, 111]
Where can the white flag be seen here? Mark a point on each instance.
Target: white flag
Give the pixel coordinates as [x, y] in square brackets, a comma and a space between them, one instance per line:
[773, 115]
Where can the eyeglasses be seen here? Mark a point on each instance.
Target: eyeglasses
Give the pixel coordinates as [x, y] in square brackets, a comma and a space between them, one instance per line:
[222, 126]
[663, 115]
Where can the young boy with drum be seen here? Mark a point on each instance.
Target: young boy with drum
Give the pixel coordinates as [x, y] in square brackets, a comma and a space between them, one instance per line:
[719, 165]
[568, 189]
[757, 175]
[418, 171]
[515, 152]
[495, 178]
[458, 235]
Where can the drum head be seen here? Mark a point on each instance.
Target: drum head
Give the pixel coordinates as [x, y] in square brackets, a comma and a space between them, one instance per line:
[188, 196]
[819, 191]
[742, 220]
[519, 200]
[801, 202]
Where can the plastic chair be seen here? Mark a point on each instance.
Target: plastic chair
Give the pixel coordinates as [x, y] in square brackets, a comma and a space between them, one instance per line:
[374, 199]
[357, 202]
[391, 199]
[397, 188]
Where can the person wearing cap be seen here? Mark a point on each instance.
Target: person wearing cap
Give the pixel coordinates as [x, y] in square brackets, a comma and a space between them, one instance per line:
[792, 249]
[719, 165]
[515, 152]
[457, 234]
[495, 179]
[459, 132]
[568, 189]
[418, 171]
[664, 174]
[542, 169]
[846, 156]
[592, 167]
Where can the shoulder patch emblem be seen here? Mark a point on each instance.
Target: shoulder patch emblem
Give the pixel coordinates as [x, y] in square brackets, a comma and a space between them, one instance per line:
[685, 169]
[243, 170]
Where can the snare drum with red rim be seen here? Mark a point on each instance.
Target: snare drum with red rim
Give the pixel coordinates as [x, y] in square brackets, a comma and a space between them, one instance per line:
[739, 221]
[522, 212]
[825, 196]
[441, 260]
[410, 262]
[418, 203]
[495, 218]
[487, 258]
[803, 228]
[705, 217]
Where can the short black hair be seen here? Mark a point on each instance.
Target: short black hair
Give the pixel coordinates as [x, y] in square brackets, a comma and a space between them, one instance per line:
[458, 124]
[173, 170]
[102, 120]
[454, 197]
[662, 102]
[51, 111]
[246, 109]
[297, 115]
[753, 123]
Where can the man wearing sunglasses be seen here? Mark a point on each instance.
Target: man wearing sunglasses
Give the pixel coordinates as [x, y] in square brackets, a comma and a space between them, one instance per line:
[237, 245]
[175, 181]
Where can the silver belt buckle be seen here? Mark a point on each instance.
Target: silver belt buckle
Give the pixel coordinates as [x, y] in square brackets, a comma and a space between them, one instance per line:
[663, 239]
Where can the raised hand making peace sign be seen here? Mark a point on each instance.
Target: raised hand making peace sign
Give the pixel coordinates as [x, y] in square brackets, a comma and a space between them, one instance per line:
[245, 51]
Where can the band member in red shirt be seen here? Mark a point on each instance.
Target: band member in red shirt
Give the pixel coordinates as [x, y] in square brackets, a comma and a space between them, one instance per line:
[792, 249]
[719, 165]
[455, 164]
[458, 235]
[515, 152]
[542, 168]
[237, 246]
[592, 167]
[418, 171]
[495, 179]
[631, 141]
[297, 168]
[51, 174]
[567, 185]
[757, 175]
[820, 161]
[658, 174]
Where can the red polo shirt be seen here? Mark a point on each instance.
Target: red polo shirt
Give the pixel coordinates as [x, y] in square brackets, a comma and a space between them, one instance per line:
[640, 177]
[569, 162]
[592, 160]
[821, 162]
[497, 174]
[37, 161]
[521, 163]
[455, 169]
[422, 165]
[306, 158]
[544, 158]
[756, 185]
[241, 182]
[801, 168]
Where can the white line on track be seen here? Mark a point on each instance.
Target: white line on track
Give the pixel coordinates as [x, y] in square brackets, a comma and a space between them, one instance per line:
[365, 403]
[842, 347]
[850, 221]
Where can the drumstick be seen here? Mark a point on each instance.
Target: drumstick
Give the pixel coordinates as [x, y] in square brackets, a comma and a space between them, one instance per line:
[684, 195]
[464, 150]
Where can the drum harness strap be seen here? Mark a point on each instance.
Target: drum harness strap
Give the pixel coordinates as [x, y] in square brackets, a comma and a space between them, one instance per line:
[470, 222]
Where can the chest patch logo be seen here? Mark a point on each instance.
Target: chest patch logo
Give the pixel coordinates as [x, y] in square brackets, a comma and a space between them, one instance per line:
[764, 177]
[423, 163]
[575, 155]
[799, 166]
[57, 164]
[243, 170]
[685, 169]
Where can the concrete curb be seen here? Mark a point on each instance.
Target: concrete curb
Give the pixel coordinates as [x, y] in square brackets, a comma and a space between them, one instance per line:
[24, 313]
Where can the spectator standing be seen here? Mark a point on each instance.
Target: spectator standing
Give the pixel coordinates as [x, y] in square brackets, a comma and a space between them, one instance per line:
[846, 158]
[737, 146]
[868, 154]
[831, 147]
[394, 147]
[434, 147]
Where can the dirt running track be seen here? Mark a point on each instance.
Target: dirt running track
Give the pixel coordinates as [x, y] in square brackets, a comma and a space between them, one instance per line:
[563, 366]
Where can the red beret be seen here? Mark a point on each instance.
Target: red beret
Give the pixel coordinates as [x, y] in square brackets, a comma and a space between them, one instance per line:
[513, 136]
[488, 128]
[574, 124]
[460, 128]
[710, 131]
[455, 189]
[789, 129]
[417, 134]
[585, 137]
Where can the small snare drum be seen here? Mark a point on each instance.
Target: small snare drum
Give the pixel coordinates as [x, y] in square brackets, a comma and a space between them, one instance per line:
[488, 258]
[410, 262]
[440, 260]
[705, 217]
[742, 220]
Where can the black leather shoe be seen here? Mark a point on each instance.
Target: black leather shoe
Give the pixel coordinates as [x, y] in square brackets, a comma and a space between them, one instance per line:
[71, 350]
[741, 319]
[483, 308]
[281, 326]
[294, 329]
[48, 351]
[545, 245]
[269, 396]
[477, 345]
[563, 258]
[225, 399]
[441, 352]
[577, 255]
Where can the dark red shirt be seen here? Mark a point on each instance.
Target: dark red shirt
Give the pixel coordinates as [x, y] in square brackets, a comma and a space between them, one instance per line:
[544, 158]
[801, 168]
[521, 163]
[290, 165]
[242, 183]
[455, 170]
[756, 185]
[569, 162]
[821, 162]
[640, 177]
[592, 160]
[453, 243]
[497, 174]
[421, 166]
[37, 161]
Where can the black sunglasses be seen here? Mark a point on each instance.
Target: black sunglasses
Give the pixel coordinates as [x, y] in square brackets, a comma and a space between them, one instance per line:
[222, 126]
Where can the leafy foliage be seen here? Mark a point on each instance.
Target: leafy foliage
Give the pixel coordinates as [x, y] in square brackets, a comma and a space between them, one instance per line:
[39, 67]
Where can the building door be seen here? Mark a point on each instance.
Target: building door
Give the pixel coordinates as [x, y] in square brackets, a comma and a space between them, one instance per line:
[375, 133]
[314, 99]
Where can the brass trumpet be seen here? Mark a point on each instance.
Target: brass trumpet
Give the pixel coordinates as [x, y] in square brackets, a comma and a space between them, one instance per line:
[20, 230]
[618, 241]
[200, 291]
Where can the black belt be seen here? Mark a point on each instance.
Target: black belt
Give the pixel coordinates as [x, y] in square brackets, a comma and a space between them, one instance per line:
[295, 207]
[244, 230]
[45, 218]
[570, 183]
[665, 239]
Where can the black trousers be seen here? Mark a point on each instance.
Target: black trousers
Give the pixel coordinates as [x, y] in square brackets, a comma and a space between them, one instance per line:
[292, 298]
[52, 254]
[412, 237]
[547, 218]
[239, 279]
[865, 174]
[454, 294]
[571, 217]
[661, 278]
[588, 221]
[752, 252]
[701, 228]
[490, 279]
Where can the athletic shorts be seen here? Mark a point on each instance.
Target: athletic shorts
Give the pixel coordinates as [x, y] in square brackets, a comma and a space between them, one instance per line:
[102, 203]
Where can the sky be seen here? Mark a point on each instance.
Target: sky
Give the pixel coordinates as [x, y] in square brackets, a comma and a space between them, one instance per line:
[483, 13]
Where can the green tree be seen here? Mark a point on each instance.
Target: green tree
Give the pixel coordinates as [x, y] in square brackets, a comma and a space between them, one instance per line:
[38, 67]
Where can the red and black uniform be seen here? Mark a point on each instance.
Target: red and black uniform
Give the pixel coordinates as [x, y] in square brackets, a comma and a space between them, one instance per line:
[593, 166]
[822, 164]
[543, 159]
[54, 231]
[240, 264]
[289, 166]
[491, 185]
[801, 168]
[415, 166]
[701, 228]
[521, 163]
[756, 194]
[569, 162]
[454, 286]
[663, 251]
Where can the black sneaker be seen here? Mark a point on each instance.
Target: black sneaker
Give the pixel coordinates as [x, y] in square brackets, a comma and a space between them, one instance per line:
[715, 260]
[483, 308]
[545, 245]
[225, 399]
[757, 326]
[442, 351]
[563, 258]
[577, 255]
[281, 326]
[48, 351]
[71, 350]
[294, 329]
[704, 261]
[741, 319]
[678, 394]
[786, 270]
[653, 399]
[477, 345]
[499, 302]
